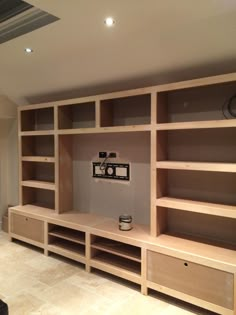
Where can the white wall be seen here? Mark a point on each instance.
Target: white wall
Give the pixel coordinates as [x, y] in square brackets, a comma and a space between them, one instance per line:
[8, 155]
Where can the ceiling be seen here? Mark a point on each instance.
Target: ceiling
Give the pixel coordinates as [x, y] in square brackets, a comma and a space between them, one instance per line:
[153, 41]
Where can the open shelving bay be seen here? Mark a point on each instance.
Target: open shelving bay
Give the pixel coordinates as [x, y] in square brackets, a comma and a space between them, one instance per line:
[177, 136]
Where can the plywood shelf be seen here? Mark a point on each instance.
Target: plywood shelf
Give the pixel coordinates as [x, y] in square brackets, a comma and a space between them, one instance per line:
[38, 184]
[68, 246]
[197, 166]
[118, 248]
[230, 123]
[197, 206]
[43, 159]
[68, 234]
[119, 262]
[119, 129]
[127, 269]
[37, 133]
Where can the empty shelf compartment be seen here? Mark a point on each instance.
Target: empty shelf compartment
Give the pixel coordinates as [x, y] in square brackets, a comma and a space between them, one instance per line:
[37, 146]
[67, 234]
[67, 245]
[117, 248]
[125, 111]
[37, 119]
[77, 116]
[118, 262]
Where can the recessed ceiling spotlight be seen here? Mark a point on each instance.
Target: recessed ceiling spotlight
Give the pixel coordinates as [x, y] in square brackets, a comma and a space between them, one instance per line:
[109, 21]
[28, 50]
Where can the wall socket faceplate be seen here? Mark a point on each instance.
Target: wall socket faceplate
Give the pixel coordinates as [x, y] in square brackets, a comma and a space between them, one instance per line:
[119, 171]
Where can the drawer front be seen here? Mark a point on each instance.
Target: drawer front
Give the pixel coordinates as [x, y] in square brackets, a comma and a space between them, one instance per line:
[27, 227]
[202, 282]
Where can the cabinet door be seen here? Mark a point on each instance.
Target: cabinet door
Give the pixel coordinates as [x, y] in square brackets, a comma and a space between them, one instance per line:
[27, 227]
[202, 282]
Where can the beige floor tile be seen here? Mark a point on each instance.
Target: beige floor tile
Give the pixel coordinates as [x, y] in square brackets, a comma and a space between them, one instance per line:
[16, 283]
[23, 304]
[56, 274]
[48, 309]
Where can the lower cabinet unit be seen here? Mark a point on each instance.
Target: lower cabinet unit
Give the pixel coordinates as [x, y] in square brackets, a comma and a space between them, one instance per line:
[27, 228]
[202, 282]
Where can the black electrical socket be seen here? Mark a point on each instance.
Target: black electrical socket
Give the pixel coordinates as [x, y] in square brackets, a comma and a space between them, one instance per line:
[112, 155]
[102, 155]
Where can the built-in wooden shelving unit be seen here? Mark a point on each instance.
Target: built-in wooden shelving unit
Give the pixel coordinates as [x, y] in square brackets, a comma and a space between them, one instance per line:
[192, 193]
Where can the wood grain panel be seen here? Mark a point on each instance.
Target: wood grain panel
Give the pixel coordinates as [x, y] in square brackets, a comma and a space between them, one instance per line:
[27, 227]
[209, 284]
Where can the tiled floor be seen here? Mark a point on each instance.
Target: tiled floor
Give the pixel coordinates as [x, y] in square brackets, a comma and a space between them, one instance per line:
[31, 283]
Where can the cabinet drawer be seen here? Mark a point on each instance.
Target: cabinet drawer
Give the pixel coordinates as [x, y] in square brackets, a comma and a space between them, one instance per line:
[27, 227]
[212, 285]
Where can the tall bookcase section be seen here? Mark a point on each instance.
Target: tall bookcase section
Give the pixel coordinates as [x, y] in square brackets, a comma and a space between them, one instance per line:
[38, 156]
[195, 165]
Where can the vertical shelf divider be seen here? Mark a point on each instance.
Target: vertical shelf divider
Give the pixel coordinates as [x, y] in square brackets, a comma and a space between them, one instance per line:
[97, 114]
[19, 157]
[56, 155]
[153, 228]
[161, 154]
[65, 191]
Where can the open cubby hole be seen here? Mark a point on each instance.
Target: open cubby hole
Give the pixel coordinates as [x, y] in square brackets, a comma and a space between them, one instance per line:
[38, 197]
[126, 111]
[194, 104]
[37, 119]
[197, 145]
[203, 228]
[66, 233]
[38, 171]
[66, 245]
[79, 191]
[76, 116]
[212, 187]
[116, 248]
[116, 261]
[38, 146]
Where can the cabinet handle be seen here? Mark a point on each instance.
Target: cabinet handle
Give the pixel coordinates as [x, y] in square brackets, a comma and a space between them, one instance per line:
[186, 264]
[26, 219]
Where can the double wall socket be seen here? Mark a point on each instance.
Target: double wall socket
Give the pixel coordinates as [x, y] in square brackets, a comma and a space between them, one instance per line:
[103, 155]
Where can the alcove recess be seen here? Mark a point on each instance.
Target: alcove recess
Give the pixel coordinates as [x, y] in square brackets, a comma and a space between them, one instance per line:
[109, 198]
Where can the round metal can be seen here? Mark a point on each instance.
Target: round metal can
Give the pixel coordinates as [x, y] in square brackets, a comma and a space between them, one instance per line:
[125, 222]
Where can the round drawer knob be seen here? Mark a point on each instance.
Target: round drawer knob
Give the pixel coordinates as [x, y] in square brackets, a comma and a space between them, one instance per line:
[186, 264]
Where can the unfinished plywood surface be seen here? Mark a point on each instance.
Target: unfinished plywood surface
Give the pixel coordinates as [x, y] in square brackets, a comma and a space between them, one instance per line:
[197, 206]
[27, 227]
[208, 284]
